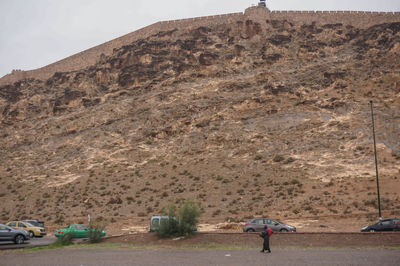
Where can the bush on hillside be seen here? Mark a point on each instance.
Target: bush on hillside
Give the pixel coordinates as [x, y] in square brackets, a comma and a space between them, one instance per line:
[278, 158]
[182, 225]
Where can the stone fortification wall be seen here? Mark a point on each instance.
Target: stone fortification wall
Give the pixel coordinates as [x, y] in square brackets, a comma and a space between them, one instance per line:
[201, 21]
[91, 56]
[355, 18]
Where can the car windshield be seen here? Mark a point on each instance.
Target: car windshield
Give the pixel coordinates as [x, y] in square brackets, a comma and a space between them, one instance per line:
[80, 227]
[29, 225]
[3, 227]
[8, 227]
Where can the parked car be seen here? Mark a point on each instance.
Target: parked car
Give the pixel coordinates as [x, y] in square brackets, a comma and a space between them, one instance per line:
[157, 220]
[257, 225]
[77, 231]
[384, 225]
[8, 233]
[34, 231]
[35, 223]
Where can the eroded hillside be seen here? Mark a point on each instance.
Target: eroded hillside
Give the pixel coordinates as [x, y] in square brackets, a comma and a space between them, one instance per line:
[246, 119]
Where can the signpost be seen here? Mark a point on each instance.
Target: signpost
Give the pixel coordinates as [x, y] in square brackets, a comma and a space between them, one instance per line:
[376, 159]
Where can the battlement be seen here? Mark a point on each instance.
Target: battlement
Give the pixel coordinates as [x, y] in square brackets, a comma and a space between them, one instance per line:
[360, 19]
[334, 12]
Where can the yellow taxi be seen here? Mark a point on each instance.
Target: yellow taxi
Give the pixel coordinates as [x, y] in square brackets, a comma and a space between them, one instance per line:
[31, 229]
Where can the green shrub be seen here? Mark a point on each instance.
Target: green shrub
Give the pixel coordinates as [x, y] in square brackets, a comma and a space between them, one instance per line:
[182, 225]
[188, 218]
[169, 227]
[64, 240]
[95, 230]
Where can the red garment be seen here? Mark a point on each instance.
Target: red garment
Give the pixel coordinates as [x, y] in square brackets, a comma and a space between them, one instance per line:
[270, 231]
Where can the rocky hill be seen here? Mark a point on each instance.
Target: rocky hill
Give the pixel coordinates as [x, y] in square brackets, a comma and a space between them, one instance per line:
[245, 121]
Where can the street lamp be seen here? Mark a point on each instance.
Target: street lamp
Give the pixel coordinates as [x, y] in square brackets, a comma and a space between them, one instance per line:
[376, 159]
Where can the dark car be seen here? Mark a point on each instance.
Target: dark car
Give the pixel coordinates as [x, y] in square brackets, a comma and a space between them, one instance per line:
[257, 225]
[383, 225]
[8, 233]
[35, 223]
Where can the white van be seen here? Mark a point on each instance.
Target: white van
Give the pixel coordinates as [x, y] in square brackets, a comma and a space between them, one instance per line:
[155, 222]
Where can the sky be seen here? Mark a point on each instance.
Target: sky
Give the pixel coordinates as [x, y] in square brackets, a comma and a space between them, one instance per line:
[35, 33]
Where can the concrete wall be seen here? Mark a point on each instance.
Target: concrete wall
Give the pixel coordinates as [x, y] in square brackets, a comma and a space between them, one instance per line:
[91, 56]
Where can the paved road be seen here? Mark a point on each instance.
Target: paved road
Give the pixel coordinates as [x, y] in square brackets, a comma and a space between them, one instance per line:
[30, 243]
[85, 257]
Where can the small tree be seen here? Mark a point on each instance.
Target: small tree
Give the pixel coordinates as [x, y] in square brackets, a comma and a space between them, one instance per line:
[169, 227]
[184, 224]
[188, 218]
[95, 231]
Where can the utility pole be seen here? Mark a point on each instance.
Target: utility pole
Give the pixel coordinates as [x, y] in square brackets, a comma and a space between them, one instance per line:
[376, 159]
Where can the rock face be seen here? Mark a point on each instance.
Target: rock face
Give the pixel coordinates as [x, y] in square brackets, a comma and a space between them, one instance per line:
[244, 121]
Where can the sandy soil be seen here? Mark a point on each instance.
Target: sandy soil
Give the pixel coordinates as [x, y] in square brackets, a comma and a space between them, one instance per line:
[204, 257]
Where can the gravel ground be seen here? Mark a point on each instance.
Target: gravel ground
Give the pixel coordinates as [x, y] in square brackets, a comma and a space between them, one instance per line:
[72, 256]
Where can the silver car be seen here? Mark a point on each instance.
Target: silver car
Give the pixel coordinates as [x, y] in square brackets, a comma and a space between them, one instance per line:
[8, 233]
[258, 224]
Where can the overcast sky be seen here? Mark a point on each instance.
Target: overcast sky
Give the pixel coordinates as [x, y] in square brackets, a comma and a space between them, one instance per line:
[34, 33]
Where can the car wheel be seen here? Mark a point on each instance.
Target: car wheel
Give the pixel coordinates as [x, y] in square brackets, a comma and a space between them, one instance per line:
[371, 230]
[284, 230]
[250, 230]
[19, 239]
[31, 234]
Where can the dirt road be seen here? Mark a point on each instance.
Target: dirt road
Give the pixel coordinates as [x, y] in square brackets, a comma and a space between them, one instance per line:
[35, 242]
[86, 257]
[252, 240]
[223, 249]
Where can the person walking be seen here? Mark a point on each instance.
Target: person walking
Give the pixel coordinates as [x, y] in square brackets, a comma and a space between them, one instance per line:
[266, 234]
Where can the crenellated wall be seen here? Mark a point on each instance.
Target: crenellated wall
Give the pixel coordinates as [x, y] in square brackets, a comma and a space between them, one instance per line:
[91, 56]
[355, 18]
